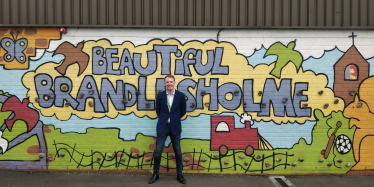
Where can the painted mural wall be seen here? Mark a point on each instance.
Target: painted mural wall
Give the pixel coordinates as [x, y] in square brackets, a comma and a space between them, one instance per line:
[258, 101]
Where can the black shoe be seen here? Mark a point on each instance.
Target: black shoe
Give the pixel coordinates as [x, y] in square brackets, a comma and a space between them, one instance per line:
[181, 179]
[153, 179]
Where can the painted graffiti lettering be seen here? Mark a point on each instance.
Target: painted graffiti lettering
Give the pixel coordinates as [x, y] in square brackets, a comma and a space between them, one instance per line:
[301, 112]
[281, 99]
[215, 78]
[165, 51]
[211, 90]
[43, 85]
[248, 97]
[183, 86]
[89, 90]
[234, 90]
[142, 100]
[64, 95]
[104, 65]
[276, 97]
[103, 59]
[213, 64]
[115, 95]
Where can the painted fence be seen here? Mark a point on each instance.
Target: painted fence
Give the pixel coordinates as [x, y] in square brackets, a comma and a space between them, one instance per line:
[258, 101]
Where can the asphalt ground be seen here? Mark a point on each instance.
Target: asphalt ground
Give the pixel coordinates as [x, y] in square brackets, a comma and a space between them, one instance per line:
[92, 179]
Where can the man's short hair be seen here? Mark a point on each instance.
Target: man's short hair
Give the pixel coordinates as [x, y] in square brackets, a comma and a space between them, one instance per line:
[169, 76]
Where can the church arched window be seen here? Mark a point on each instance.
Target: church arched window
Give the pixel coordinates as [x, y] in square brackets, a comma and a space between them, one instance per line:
[351, 72]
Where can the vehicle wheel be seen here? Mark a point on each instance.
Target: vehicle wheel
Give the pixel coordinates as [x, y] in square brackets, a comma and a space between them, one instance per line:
[223, 150]
[249, 150]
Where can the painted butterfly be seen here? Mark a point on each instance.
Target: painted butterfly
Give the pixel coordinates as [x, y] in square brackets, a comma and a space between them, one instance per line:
[14, 48]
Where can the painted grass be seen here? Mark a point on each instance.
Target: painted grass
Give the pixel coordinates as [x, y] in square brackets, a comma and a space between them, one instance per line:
[98, 142]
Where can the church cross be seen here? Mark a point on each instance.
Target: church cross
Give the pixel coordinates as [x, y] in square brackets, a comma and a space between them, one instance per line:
[353, 38]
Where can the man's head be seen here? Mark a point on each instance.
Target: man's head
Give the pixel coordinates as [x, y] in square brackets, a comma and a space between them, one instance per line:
[169, 82]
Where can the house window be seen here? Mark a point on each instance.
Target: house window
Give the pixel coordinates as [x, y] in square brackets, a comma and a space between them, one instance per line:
[351, 72]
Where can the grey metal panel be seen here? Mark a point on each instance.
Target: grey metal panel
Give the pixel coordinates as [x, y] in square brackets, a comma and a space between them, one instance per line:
[320, 14]
[347, 15]
[58, 13]
[260, 13]
[277, 13]
[5, 18]
[14, 8]
[190, 13]
[67, 19]
[329, 16]
[232, 12]
[207, 13]
[295, 13]
[371, 14]
[286, 16]
[50, 9]
[363, 9]
[242, 12]
[146, 14]
[154, 13]
[77, 16]
[312, 13]
[251, 13]
[216, 13]
[41, 12]
[166, 16]
[338, 18]
[198, 12]
[85, 4]
[137, 4]
[180, 15]
[173, 14]
[23, 8]
[32, 12]
[112, 12]
[268, 13]
[102, 10]
[6, 12]
[120, 13]
[128, 8]
[304, 12]
[355, 14]
[224, 11]
[1, 11]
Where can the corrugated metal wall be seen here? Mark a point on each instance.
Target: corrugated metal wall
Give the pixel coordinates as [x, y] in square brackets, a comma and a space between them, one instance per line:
[339, 14]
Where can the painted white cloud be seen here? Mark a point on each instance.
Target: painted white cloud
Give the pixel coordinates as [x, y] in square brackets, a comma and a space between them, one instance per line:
[308, 42]
[246, 117]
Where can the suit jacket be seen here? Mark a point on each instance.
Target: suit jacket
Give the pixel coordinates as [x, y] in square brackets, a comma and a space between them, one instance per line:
[177, 111]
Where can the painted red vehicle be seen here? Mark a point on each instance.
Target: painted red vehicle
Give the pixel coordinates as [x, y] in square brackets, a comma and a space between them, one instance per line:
[225, 136]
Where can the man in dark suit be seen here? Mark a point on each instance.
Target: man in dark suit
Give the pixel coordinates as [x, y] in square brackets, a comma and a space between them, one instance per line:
[170, 108]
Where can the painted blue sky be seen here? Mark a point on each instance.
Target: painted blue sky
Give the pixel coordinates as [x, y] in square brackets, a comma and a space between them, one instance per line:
[324, 65]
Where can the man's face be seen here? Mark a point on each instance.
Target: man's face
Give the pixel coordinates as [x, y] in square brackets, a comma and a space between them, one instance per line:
[169, 83]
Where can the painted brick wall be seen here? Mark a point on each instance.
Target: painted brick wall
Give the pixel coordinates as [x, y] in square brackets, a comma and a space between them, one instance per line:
[258, 101]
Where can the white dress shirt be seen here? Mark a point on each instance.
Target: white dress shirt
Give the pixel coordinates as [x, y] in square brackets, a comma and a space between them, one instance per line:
[170, 101]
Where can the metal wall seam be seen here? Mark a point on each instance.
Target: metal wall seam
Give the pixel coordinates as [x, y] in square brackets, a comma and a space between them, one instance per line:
[314, 14]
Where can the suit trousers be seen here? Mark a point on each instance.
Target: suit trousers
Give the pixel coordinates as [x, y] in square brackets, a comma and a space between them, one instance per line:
[160, 142]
